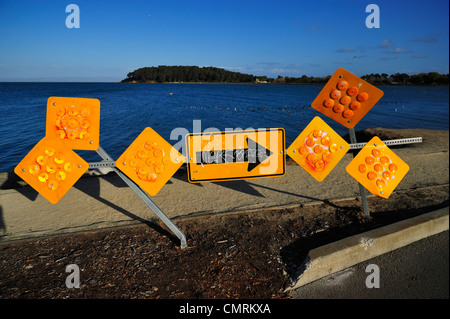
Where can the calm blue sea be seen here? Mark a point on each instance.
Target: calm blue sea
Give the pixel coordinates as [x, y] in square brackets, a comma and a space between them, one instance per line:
[126, 109]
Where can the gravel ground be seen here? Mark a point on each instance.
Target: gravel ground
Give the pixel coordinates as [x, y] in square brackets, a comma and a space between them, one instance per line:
[235, 255]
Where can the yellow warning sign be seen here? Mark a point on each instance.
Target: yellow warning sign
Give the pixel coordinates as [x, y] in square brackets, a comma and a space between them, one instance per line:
[51, 168]
[318, 149]
[150, 161]
[235, 155]
[378, 168]
[346, 98]
[75, 121]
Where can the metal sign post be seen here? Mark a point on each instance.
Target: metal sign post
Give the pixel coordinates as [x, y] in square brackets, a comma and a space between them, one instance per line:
[362, 190]
[143, 195]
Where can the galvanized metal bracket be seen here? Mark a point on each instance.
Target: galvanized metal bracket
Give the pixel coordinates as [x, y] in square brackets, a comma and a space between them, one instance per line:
[362, 190]
[400, 141]
[101, 164]
[108, 162]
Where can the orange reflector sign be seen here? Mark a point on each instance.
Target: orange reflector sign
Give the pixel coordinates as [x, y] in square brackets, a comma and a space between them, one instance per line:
[234, 155]
[150, 161]
[75, 121]
[346, 98]
[377, 168]
[51, 168]
[318, 149]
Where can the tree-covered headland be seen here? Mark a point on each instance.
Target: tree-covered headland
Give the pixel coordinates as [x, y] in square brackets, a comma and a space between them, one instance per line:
[196, 74]
[171, 74]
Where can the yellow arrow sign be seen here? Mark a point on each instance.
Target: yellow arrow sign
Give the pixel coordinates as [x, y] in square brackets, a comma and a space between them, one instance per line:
[234, 155]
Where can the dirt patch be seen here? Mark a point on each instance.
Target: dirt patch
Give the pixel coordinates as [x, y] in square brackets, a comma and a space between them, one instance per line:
[235, 255]
[384, 134]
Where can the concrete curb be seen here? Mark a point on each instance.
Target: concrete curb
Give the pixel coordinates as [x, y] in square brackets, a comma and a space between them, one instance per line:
[334, 257]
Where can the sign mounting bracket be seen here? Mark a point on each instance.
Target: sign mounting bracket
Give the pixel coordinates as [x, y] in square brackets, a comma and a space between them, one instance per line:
[362, 190]
[143, 195]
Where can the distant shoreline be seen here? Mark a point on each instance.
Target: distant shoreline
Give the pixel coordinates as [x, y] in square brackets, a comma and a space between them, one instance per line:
[207, 83]
[253, 83]
[227, 83]
[195, 74]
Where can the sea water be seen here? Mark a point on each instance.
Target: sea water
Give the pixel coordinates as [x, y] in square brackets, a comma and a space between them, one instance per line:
[126, 109]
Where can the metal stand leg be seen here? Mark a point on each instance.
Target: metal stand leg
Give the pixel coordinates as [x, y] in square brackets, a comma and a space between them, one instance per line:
[362, 190]
[144, 196]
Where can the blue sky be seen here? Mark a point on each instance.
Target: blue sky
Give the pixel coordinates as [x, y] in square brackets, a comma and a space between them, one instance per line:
[288, 38]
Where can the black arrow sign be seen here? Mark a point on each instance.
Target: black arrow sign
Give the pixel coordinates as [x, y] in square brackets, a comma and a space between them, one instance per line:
[255, 154]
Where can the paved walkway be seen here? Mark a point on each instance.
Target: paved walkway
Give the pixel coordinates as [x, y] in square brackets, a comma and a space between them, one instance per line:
[419, 270]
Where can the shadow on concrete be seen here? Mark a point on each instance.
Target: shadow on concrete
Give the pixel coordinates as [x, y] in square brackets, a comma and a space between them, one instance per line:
[15, 182]
[2, 223]
[240, 186]
[91, 187]
[181, 175]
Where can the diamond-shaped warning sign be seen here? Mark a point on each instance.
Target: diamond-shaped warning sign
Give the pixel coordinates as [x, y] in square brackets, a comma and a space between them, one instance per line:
[378, 168]
[150, 161]
[346, 98]
[51, 168]
[75, 121]
[318, 149]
